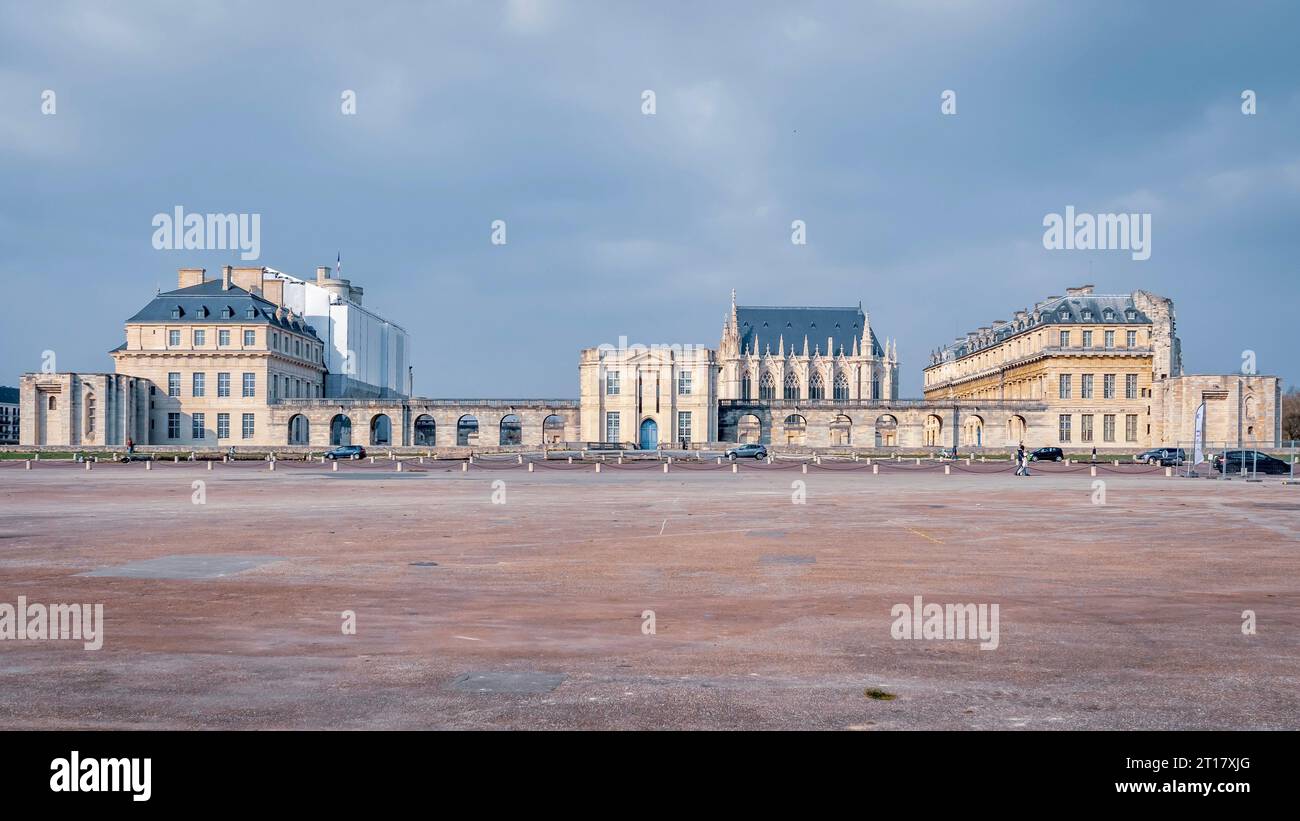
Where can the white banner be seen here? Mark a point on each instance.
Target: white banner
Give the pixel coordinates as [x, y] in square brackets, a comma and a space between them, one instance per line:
[1199, 447]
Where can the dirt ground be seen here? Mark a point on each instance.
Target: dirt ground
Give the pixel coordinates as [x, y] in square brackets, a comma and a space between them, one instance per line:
[529, 613]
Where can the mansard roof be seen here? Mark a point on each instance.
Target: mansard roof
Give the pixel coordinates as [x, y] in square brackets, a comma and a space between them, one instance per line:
[207, 303]
[767, 325]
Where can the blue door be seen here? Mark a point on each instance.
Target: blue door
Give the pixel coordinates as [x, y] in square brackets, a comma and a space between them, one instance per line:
[649, 435]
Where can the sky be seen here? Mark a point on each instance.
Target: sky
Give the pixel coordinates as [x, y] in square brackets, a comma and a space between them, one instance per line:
[623, 223]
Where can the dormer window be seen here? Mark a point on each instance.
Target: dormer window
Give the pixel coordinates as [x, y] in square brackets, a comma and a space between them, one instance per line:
[1087, 314]
[1108, 315]
[1131, 314]
[202, 311]
[1064, 315]
[251, 313]
[176, 312]
[227, 312]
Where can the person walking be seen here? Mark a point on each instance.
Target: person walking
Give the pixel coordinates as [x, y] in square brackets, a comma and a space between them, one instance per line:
[1022, 461]
[1094, 454]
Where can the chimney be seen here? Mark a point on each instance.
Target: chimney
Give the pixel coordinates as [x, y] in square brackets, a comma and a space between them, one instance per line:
[225, 277]
[273, 290]
[188, 277]
[322, 274]
[250, 279]
[1082, 290]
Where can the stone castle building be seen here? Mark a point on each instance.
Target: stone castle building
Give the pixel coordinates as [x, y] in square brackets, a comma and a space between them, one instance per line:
[260, 359]
[1109, 370]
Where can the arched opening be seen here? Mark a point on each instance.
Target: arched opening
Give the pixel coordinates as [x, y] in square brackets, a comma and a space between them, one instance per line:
[340, 430]
[1016, 430]
[749, 430]
[298, 430]
[512, 430]
[553, 429]
[841, 430]
[796, 429]
[766, 386]
[933, 431]
[886, 431]
[53, 403]
[649, 434]
[841, 388]
[816, 390]
[791, 386]
[426, 430]
[381, 430]
[972, 431]
[467, 431]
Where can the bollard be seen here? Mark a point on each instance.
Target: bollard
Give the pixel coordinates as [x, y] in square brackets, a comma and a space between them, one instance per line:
[947, 470]
[875, 469]
[1115, 462]
[719, 460]
[918, 461]
[471, 459]
[735, 468]
[422, 460]
[868, 460]
[322, 460]
[570, 460]
[665, 467]
[27, 464]
[1169, 471]
[620, 460]
[336, 466]
[87, 464]
[176, 460]
[372, 460]
[1092, 471]
[670, 460]
[209, 464]
[521, 458]
[769, 460]
[399, 465]
[598, 467]
[464, 467]
[37, 456]
[530, 467]
[805, 467]
[148, 465]
[968, 459]
[270, 465]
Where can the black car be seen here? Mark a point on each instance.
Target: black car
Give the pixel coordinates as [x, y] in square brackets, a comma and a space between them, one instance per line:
[745, 451]
[1251, 460]
[1047, 455]
[1165, 457]
[346, 452]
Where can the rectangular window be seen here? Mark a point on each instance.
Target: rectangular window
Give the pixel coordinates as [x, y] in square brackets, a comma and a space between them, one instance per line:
[1130, 386]
[1108, 386]
[1108, 427]
[174, 339]
[611, 427]
[1131, 338]
[248, 426]
[200, 384]
[1065, 339]
[1064, 389]
[1110, 339]
[611, 384]
[684, 383]
[1087, 339]
[250, 338]
[1085, 386]
[223, 426]
[1064, 428]
[250, 384]
[200, 337]
[683, 426]
[223, 384]
[173, 426]
[1085, 427]
[1130, 427]
[223, 338]
[198, 426]
[174, 384]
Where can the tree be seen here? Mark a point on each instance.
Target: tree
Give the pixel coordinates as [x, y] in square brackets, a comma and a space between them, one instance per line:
[1291, 414]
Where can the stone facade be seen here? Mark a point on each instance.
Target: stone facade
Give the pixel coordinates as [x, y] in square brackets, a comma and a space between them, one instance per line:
[646, 395]
[83, 410]
[1107, 368]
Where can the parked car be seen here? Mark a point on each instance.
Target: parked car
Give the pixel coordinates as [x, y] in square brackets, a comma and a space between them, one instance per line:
[1253, 461]
[1165, 457]
[753, 450]
[1046, 455]
[346, 452]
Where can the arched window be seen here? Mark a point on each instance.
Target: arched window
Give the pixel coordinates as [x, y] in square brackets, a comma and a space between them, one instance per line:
[53, 403]
[841, 388]
[766, 387]
[815, 388]
[746, 386]
[791, 386]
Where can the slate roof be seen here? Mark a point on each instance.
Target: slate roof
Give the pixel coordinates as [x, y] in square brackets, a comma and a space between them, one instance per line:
[769, 325]
[1089, 309]
[205, 303]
